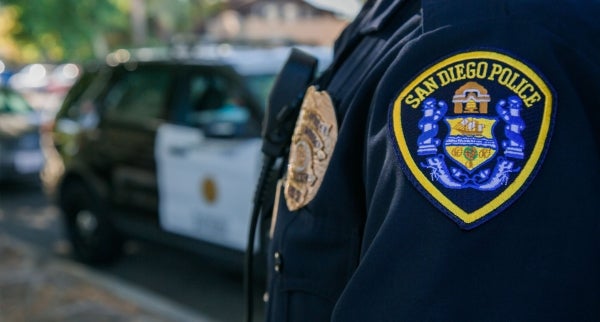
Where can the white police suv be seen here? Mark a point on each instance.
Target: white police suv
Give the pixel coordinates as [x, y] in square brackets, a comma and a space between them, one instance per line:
[166, 150]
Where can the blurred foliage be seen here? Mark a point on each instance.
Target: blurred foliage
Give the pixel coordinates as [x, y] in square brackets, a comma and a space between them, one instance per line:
[75, 30]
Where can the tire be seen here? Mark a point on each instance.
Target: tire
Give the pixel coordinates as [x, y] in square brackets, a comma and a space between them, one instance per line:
[92, 235]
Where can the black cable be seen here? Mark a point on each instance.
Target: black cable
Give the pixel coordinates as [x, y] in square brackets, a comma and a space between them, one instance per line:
[268, 163]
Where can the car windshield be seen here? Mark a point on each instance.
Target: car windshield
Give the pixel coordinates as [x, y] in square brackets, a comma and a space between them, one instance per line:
[13, 103]
[260, 85]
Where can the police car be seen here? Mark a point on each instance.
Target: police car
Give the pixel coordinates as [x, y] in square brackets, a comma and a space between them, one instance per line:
[165, 149]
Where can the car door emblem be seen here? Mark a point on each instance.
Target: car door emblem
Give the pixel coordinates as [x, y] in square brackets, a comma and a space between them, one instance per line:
[209, 190]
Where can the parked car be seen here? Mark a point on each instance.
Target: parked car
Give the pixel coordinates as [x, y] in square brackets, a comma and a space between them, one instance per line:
[166, 150]
[21, 155]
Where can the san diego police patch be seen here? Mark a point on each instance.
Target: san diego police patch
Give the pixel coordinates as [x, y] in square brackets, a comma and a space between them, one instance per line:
[472, 131]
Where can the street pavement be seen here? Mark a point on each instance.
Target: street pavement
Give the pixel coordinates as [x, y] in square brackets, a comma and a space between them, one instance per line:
[37, 287]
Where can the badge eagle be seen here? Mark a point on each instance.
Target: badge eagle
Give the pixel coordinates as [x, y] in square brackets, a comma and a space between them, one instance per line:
[471, 131]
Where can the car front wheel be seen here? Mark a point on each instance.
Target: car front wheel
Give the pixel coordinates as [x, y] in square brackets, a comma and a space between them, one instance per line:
[93, 237]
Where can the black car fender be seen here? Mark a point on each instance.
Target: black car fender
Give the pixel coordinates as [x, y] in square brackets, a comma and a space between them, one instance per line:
[78, 171]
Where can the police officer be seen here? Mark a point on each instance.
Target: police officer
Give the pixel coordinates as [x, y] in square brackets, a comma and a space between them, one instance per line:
[446, 168]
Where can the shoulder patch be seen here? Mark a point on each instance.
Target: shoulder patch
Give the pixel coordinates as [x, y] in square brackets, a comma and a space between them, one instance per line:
[471, 132]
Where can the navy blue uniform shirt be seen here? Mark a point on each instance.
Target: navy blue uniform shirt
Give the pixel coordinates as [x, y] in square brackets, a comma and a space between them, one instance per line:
[463, 185]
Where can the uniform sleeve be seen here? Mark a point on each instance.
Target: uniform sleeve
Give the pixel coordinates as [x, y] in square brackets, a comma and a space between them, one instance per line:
[475, 110]
[481, 172]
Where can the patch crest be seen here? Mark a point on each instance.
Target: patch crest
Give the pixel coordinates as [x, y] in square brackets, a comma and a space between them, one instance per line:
[471, 132]
[313, 141]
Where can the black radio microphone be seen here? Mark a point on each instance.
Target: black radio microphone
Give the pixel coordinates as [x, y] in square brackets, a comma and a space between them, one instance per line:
[283, 107]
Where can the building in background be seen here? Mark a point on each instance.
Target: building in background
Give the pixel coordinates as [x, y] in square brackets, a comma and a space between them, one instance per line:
[294, 21]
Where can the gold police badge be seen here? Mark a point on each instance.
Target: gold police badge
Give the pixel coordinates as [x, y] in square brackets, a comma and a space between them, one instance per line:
[313, 142]
[472, 131]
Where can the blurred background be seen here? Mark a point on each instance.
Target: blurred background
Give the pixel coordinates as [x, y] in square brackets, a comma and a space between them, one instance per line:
[44, 46]
[41, 43]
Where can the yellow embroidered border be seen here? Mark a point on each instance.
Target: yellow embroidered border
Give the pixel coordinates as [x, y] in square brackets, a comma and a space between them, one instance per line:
[529, 165]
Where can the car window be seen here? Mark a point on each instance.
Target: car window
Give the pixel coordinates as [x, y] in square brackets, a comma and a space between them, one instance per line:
[139, 95]
[13, 103]
[218, 105]
[260, 85]
[82, 107]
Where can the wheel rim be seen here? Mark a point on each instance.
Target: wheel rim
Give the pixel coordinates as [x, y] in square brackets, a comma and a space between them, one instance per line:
[87, 223]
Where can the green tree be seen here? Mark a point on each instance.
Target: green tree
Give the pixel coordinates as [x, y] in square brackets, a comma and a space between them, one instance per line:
[75, 30]
[182, 17]
[57, 30]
